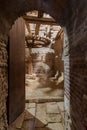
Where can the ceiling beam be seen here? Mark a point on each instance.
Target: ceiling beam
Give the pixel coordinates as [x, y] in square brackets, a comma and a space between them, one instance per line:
[37, 29]
[28, 27]
[40, 15]
[59, 34]
[36, 20]
[48, 33]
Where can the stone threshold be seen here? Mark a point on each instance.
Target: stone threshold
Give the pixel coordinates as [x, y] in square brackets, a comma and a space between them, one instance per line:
[43, 100]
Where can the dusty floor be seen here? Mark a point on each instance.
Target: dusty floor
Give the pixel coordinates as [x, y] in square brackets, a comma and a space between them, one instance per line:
[44, 108]
[42, 88]
[41, 116]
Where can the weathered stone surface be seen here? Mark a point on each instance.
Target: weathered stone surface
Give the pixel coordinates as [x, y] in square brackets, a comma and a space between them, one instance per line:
[31, 112]
[55, 126]
[27, 115]
[54, 118]
[63, 118]
[52, 108]
[28, 125]
[41, 117]
[36, 118]
[61, 106]
[29, 105]
[44, 99]
[26, 105]
[32, 105]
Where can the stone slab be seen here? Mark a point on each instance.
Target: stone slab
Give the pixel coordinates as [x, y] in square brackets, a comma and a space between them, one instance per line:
[32, 112]
[61, 106]
[28, 125]
[62, 114]
[55, 126]
[41, 117]
[32, 105]
[28, 115]
[52, 108]
[43, 99]
[26, 105]
[54, 118]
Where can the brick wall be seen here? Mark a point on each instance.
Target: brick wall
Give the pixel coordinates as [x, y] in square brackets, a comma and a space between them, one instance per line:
[3, 84]
[75, 66]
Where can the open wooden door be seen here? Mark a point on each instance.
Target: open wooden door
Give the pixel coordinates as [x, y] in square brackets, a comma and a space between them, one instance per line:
[16, 98]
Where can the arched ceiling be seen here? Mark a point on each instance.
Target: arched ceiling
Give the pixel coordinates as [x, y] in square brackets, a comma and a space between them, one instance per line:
[10, 10]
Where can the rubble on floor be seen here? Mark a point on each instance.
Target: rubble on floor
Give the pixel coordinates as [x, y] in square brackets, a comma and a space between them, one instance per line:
[42, 89]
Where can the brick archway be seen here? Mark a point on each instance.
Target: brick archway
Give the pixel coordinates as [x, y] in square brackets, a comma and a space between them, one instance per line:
[16, 9]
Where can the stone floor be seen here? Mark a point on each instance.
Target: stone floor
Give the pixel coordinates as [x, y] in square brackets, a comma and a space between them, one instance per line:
[41, 116]
[42, 89]
[44, 105]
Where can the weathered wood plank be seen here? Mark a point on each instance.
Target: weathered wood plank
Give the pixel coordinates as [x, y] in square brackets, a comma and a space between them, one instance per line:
[36, 20]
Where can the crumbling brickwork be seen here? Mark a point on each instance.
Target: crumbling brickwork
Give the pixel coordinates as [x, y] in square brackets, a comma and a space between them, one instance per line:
[3, 84]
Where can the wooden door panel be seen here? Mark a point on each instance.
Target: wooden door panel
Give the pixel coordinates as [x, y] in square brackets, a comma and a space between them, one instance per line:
[16, 98]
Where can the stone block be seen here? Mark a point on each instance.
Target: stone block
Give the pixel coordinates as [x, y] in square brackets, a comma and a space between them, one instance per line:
[52, 108]
[55, 126]
[41, 117]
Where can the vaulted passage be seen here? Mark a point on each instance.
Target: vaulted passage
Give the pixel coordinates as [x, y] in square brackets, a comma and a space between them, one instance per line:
[30, 78]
